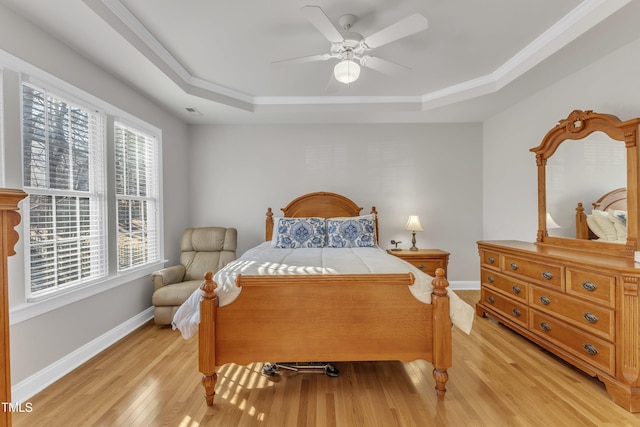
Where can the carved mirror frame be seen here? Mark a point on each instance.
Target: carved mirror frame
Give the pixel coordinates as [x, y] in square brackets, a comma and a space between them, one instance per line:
[578, 125]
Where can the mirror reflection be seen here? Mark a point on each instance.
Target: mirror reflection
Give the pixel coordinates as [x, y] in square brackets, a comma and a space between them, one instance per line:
[581, 172]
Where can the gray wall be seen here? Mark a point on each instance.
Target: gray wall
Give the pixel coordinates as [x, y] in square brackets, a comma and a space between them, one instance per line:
[433, 171]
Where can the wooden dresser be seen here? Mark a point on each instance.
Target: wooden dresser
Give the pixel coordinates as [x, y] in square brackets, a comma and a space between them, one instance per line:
[426, 260]
[582, 306]
[9, 218]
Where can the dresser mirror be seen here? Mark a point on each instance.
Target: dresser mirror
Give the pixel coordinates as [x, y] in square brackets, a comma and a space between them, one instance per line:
[581, 172]
[582, 158]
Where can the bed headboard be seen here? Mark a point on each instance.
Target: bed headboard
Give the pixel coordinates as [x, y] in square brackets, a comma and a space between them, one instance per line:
[320, 204]
[615, 199]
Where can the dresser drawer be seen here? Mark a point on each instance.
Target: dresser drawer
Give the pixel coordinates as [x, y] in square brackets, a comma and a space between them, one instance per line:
[595, 351]
[595, 287]
[594, 319]
[549, 275]
[509, 308]
[490, 259]
[512, 287]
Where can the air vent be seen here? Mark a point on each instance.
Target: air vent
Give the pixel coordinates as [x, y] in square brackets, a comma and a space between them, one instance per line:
[193, 111]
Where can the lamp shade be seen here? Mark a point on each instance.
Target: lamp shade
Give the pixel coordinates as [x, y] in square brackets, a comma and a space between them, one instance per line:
[346, 71]
[413, 224]
[551, 224]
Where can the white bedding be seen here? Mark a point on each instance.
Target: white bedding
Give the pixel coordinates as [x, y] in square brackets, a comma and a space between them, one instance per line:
[264, 259]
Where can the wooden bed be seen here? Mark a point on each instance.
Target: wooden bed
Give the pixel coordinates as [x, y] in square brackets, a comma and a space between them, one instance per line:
[616, 199]
[335, 318]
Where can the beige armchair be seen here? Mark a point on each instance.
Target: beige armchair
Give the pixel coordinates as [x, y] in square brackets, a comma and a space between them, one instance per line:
[203, 249]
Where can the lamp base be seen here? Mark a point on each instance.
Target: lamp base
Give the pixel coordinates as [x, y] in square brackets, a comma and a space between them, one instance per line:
[413, 242]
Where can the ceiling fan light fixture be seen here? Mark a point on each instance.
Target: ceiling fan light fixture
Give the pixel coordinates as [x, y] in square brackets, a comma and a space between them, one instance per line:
[346, 71]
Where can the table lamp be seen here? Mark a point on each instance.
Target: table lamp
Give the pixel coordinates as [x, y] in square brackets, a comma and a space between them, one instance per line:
[413, 225]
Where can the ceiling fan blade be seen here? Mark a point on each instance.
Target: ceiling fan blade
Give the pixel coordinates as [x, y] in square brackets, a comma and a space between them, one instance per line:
[403, 28]
[383, 66]
[303, 59]
[317, 17]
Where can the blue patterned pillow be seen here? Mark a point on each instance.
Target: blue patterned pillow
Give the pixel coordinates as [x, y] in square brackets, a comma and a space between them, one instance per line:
[301, 233]
[356, 232]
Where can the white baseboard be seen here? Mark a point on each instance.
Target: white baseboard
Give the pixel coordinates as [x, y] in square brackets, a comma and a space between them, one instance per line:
[37, 382]
[465, 285]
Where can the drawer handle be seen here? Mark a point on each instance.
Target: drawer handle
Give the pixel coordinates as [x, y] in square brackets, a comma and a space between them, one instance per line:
[515, 289]
[490, 279]
[589, 286]
[545, 327]
[545, 300]
[589, 348]
[491, 260]
[590, 317]
[547, 275]
[421, 266]
[513, 266]
[516, 312]
[491, 299]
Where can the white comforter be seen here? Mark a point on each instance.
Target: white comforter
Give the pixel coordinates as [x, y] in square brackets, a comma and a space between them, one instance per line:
[264, 259]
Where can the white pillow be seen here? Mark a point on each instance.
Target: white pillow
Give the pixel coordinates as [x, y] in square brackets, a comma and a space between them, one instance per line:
[593, 226]
[606, 224]
[619, 219]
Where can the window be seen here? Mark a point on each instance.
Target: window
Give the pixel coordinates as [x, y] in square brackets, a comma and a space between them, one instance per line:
[137, 196]
[63, 173]
[2, 165]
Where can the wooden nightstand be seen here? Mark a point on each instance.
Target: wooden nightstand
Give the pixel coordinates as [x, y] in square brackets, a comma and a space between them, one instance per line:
[426, 260]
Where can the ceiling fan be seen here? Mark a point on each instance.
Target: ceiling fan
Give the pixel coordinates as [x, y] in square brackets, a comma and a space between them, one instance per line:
[352, 50]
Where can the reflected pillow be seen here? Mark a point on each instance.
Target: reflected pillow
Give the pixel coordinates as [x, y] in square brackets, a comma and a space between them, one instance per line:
[595, 228]
[619, 220]
[351, 232]
[605, 223]
[300, 233]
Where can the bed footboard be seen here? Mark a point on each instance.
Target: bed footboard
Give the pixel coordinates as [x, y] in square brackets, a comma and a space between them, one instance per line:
[324, 317]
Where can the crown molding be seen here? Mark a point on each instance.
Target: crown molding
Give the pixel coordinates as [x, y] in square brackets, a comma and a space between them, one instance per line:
[584, 17]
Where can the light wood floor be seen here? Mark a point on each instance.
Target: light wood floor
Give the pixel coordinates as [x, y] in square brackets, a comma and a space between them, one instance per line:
[150, 378]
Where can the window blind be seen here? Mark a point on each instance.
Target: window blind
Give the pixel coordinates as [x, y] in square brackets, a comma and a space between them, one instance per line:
[137, 192]
[63, 173]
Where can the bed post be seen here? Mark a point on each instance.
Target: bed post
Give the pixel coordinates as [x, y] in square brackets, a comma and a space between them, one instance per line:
[207, 336]
[582, 228]
[375, 212]
[269, 225]
[441, 332]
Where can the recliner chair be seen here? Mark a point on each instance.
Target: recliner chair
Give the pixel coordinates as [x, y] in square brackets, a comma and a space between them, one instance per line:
[203, 249]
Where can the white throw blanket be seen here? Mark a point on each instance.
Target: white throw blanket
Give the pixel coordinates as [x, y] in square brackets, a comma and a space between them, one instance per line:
[264, 259]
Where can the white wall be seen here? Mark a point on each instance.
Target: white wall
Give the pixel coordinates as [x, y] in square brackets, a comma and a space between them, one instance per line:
[434, 171]
[609, 85]
[39, 342]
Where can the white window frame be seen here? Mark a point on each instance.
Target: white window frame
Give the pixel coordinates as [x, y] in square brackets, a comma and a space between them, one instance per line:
[96, 193]
[149, 228]
[33, 307]
[2, 148]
